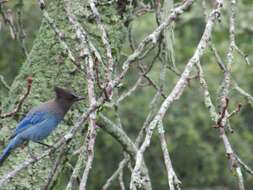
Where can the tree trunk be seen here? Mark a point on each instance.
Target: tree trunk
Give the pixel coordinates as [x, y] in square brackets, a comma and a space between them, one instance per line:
[48, 67]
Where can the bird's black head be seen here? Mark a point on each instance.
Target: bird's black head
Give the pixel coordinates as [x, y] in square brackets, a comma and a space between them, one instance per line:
[66, 95]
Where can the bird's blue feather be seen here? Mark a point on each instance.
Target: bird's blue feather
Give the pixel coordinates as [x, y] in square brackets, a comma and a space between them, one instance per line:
[29, 120]
[42, 129]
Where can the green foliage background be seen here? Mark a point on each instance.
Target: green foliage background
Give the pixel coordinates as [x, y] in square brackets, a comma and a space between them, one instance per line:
[197, 152]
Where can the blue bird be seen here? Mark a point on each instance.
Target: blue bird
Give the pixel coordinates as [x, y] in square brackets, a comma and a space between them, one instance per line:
[41, 120]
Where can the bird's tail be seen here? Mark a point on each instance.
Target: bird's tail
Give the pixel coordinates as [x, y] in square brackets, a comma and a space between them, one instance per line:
[12, 145]
[5, 154]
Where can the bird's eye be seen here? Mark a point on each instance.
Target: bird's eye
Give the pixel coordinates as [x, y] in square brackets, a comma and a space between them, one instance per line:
[73, 96]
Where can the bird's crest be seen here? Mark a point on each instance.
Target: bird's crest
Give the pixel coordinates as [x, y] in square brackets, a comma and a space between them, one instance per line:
[61, 92]
[66, 94]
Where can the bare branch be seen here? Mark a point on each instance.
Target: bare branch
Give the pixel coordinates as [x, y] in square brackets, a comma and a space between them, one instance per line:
[153, 37]
[127, 145]
[81, 162]
[224, 94]
[91, 135]
[174, 95]
[245, 166]
[105, 41]
[174, 182]
[115, 174]
[215, 117]
[130, 91]
[121, 180]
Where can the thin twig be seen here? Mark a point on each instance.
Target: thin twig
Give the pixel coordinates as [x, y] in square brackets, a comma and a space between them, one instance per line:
[8, 19]
[105, 40]
[115, 174]
[4, 82]
[236, 111]
[245, 166]
[20, 101]
[81, 162]
[130, 91]
[128, 146]
[54, 169]
[243, 92]
[20, 29]
[153, 38]
[60, 35]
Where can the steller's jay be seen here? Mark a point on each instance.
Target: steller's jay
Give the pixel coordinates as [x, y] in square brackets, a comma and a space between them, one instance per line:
[41, 120]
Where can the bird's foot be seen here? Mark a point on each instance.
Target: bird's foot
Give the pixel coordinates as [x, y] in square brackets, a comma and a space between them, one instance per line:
[44, 144]
[22, 146]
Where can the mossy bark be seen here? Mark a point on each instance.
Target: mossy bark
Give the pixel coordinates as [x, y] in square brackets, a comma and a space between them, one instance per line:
[48, 67]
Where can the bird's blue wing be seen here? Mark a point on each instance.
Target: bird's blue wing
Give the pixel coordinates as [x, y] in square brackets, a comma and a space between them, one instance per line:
[29, 120]
[41, 130]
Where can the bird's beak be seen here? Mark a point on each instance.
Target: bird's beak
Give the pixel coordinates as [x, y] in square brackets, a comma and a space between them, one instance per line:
[80, 98]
